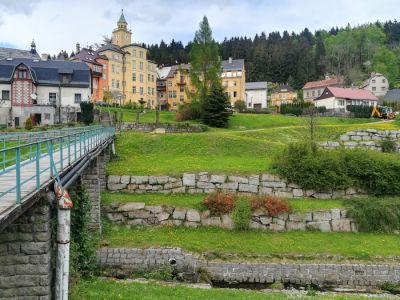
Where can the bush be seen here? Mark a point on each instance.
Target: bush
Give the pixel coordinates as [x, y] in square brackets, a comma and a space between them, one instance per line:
[274, 206]
[241, 214]
[216, 108]
[28, 124]
[388, 145]
[87, 112]
[376, 214]
[326, 171]
[295, 108]
[239, 105]
[189, 111]
[360, 111]
[220, 203]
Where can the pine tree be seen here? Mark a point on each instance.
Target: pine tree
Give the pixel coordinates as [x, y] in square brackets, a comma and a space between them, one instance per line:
[216, 108]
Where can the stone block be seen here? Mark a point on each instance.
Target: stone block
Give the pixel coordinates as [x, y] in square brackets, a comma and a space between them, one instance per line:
[173, 185]
[322, 196]
[283, 194]
[113, 179]
[156, 188]
[211, 221]
[342, 225]
[179, 214]
[172, 223]
[146, 187]
[265, 220]
[195, 191]
[266, 191]
[205, 185]
[115, 217]
[351, 191]
[137, 222]
[254, 180]
[203, 176]
[230, 186]
[274, 184]
[322, 216]
[298, 193]
[356, 138]
[116, 186]
[276, 227]
[296, 226]
[335, 212]
[248, 188]
[158, 179]
[163, 216]
[189, 179]
[278, 221]
[131, 206]
[344, 138]
[269, 177]
[218, 178]
[191, 224]
[153, 209]
[238, 179]
[259, 212]
[125, 179]
[140, 179]
[192, 215]
[354, 227]
[256, 225]
[132, 187]
[324, 226]
[139, 214]
[179, 190]
[298, 217]
[227, 222]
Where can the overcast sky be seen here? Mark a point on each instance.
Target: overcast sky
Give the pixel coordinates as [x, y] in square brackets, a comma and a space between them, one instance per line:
[59, 24]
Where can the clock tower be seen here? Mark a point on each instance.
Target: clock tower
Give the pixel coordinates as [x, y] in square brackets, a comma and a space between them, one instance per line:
[121, 36]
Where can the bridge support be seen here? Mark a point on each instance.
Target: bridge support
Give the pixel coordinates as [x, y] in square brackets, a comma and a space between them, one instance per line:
[25, 254]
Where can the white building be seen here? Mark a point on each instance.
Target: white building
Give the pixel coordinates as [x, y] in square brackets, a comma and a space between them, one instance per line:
[377, 84]
[256, 95]
[47, 91]
[337, 99]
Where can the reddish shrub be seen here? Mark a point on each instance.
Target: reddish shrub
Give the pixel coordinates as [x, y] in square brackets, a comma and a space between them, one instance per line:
[220, 203]
[274, 206]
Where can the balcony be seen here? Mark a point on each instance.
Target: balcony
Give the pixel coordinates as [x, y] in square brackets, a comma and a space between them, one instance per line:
[181, 82]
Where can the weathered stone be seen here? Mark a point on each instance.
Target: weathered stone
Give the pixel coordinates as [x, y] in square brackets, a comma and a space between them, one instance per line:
[238, 179]
[172, 223]
[163, 216]
[137, 222]
[298, 193]
[269, 177]
[132, 187]
[259, 212]
[341, 225]
[351, 191]
[256, 225]
[179, 214]
[218, 178]
[227, 221]
[131, 206]
[116, 186]
[322, 216]
[278, 221]
[154, 209]
[192, 215]
[254, 180]
[205, 214]
[265, 220]
[189, 179]
[146, 187]
[230, 186]
[273, 184]
[211, 221]
[296, 225]
[356, 138]
[276, 227]
[125, 179]
[298, 217]
[140, 179]
[195, 191]
[322, 196]
[354, 227]
[283, 216]
[266, 191]
[173, 185]
[203, 176]
[191, 224]
[321, 226]
[344, 138]
[179, 190]
[113, 179]
[283, 194]
[205, 185]
[156, 188]
[139, 214]
[248, 188]
[158, 179]
[335, 212]
[115, 217]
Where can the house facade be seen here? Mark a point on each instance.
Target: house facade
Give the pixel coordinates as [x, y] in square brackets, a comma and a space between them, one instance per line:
[312, 90]
[17, 53]
[234, 79]
[377, 83]
[284, 94]
[337, 99]
[49, 92]
[256, 95]
[131, 75]
[162, 75]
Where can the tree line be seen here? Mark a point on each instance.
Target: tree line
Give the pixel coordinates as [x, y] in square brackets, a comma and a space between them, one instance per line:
[296, 58]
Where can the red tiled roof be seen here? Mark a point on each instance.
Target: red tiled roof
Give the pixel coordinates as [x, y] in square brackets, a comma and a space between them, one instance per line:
[353, 94]
[323, 83]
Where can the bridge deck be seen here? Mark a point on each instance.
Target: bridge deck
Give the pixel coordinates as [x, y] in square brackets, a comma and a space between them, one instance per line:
[30, 171]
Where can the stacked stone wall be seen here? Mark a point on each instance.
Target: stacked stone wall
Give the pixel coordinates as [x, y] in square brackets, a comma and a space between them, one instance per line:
[169, 128]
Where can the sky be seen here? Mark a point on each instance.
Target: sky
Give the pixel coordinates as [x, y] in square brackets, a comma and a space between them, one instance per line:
[59, 24]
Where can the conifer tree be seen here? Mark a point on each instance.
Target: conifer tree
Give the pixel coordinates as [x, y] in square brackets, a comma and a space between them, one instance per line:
[216, 107]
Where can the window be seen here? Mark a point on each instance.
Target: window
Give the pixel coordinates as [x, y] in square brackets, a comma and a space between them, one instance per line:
[65, 78]
[239, 74]
[181, 98]
[134, 53]
[383, 88]
[141, 91]
[152, 78]
[182, 89]
[228, 74]
[308, 94]
[141, 66]
[47, 116]
[134, 65]
[104, 77]
[113, 83]
[133, 76]
[5, 95]
[148, 77]
[383, 80]
[340, 102]
[113, 68]
[148, 91]
[134, 90]
[169, 83]
[373, 81]
[117, 85]
[152, 91]
[374, 88]
[174, 94]
[313, 93]
[234, 94]
[78, 98]
[52, 98]
[141, 54]
[141, 78]
[22, 74]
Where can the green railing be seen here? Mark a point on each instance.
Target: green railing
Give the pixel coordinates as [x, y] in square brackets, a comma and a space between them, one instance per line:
[26, 158]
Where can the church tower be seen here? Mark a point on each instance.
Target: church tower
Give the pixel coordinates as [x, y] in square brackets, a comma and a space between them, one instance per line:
[121, 36]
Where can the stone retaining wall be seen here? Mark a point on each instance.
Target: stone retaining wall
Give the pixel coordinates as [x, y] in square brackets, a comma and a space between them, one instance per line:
[136, 213]
[323, 275]
[169, 128]
[204, 182]
[369, 139]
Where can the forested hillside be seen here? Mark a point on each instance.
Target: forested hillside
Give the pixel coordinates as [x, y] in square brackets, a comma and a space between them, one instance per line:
[351, 52]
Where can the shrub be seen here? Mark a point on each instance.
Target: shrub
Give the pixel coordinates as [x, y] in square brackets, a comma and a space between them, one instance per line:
[87, 112]
[360, 111]
[189, 111]
[216, 108]
[239, 105]
[388, 145]
[274, 206]
[295, 108]
[376, 214]
[241, 214]
[28, 124]
[220, 203]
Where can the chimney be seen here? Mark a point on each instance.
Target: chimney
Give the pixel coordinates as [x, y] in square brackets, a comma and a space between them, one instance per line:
[78, 48]
[44, 56]
[230, 60]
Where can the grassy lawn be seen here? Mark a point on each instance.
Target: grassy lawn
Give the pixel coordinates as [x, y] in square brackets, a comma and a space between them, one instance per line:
[129, 115]
[111, 289]
[220, 241]
[194, 201]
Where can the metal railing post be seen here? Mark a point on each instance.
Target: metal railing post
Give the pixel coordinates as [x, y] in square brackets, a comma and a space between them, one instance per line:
[61, 153]
[38, 165]
[18, 174]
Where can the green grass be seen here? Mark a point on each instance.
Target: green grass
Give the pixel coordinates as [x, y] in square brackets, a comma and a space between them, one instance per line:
[194, 201]
[129, 115]
[111, 289]
[220, 241]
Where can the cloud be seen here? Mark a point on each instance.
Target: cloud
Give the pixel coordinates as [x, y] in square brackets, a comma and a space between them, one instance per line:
[17, 7]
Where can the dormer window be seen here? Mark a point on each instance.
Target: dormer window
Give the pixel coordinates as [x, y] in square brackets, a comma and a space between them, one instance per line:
[65, 78]
[22, 74]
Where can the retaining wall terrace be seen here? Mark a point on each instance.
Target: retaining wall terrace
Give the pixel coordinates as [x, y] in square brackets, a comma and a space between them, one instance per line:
[136, 213]
[265, 184]
[369, 139]
[322, 275]
[169, 128]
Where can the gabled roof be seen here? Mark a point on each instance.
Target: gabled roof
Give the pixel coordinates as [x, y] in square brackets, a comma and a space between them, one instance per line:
[324, 83]
[392, 96]
[16, 53]
[256, 85]
[88, 56]
[351, 94]
[234, 65]
[162, 73]
[111, 47]
[368, 81]
[48, 72]
[122, 18]
[175, 68]
[284, 89]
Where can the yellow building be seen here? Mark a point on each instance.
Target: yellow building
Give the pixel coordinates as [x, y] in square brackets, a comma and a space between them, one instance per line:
[234, 79]
[131, 76]
[177, 85]
[284, 94]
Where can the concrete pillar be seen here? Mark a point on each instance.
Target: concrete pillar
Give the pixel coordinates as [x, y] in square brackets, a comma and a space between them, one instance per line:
[25, 255]
[91, 182]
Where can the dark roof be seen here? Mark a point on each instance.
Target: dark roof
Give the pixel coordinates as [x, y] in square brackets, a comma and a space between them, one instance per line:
[48, 72]
[256, 85]
[111, 47]
[88, 56]
[122, 18]
[284, 89]
[392, 96]
[236, 64]
[347, 93]
[176, 68]
[16, 53]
